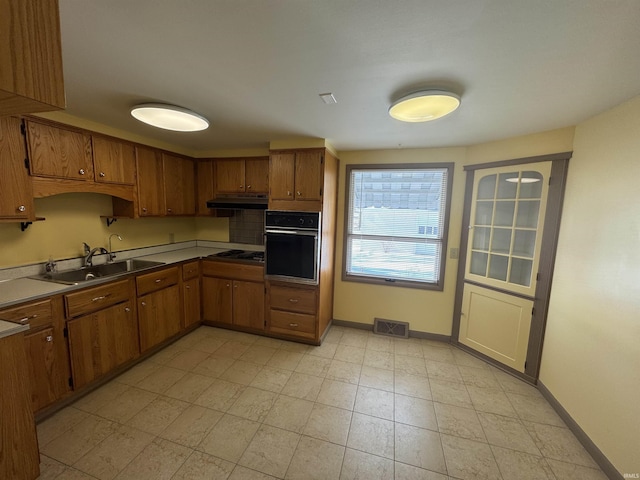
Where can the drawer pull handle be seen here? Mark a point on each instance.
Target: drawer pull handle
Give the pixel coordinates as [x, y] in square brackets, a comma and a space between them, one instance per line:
[127, 309]
[144, 304]
[293, 324]
[49, 338]
[294, 300]
[101, 297]
[159, 280]
[26, 319]
[188, 287]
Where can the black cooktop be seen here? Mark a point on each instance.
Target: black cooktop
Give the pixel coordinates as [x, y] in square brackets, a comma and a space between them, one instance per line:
[239, 255]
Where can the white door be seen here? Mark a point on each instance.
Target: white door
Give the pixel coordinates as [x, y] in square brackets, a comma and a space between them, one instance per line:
[503, 253]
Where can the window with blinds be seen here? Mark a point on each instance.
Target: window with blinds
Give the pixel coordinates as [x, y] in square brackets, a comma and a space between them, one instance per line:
[397, 219]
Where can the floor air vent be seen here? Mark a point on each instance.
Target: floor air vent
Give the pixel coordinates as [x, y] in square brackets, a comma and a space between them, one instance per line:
[390, 328]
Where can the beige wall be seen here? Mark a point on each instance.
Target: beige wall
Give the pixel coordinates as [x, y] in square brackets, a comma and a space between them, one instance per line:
[74, 218]
[591, 355]
[427, 311]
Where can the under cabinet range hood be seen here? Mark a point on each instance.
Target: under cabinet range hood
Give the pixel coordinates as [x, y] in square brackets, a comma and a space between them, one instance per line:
[239, 203]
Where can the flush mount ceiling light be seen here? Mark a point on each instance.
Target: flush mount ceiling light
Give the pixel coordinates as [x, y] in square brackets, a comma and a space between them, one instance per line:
[424, 106]
[523, 180]
[169, 117]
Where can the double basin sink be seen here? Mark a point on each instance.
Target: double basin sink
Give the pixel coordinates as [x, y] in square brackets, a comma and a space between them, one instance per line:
[86, 274]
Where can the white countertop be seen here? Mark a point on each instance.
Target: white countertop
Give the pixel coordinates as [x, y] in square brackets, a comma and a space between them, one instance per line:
[9, 328]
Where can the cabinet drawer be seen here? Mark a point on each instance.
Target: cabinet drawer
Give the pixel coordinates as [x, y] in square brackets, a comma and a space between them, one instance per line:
[236, 271]
[97, 298]
[190, 270]
[151, 282]
[293, 299]
[289, 323]
[35, 314]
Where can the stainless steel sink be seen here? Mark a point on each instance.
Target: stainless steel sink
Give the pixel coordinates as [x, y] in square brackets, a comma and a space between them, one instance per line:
[86, 274]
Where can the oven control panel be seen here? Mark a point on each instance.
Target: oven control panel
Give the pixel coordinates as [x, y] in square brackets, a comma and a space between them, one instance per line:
[292, 220]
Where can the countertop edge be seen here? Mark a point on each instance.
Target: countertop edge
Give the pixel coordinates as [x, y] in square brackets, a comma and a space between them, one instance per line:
[9, 328]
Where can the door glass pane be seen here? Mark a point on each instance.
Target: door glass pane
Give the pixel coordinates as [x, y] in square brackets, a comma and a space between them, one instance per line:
[524, 243]
[530, 185]
[487, 187]
[498, 267]
[481, 236]
[507, 185]
[504, 214]
[479, 263]
[501, 242]
[528, 213]
[484, 212]
[521, 271]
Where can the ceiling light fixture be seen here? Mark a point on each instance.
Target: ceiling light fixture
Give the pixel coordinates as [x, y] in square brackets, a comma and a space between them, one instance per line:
[169, 117]
[523, 180]
[424, 106]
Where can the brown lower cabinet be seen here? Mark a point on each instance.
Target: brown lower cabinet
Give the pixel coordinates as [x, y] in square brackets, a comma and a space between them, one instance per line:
[19, 457]
[293, 311]
[102, 341]
[233, 294]
[46, 348]
[159, 307]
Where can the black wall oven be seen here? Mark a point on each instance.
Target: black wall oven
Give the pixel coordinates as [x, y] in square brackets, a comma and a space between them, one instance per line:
[292, 246]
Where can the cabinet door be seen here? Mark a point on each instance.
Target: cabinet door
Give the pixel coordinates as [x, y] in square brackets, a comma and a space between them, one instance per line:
[257, 175]
[248, 304]
[101, 341]
[217, 300]
[281, 176]
[113, 162]
[16, 196]
[30, 57]
[204, 179]
[308, 175]
[230, 176]
[47, 379]
[58, 152]
[159, 316]
[191, 296]
[150, 182]
[179, 185]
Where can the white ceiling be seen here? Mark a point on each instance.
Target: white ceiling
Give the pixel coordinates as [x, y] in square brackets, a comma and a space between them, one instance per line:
[255, 68]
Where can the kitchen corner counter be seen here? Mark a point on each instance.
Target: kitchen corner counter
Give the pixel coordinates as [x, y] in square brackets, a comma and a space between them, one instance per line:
[9, 328]
[177, 256]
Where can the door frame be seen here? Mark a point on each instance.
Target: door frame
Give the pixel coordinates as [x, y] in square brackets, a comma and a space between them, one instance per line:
[551, 230]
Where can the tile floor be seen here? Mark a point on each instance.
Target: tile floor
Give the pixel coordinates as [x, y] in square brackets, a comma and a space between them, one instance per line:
[221, 405]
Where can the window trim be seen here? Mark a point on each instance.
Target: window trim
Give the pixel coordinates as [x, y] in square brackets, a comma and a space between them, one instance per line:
[437, 286]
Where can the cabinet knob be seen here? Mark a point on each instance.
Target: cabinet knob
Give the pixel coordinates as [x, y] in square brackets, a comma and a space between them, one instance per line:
[299, 194]
[81, 171]
[169, 210]
[293, 300]
[144, 210]
[235, 286]
[288, 193]
[127, 309]
[144, 304]
[159, 280]
[49, 338]
[241, 186]
[102, 174]
[188, 287]
[248, 187]
[293, 324]
[228, 285]
[22, 208]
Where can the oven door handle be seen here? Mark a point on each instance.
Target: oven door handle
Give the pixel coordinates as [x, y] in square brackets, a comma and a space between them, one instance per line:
[293, 232]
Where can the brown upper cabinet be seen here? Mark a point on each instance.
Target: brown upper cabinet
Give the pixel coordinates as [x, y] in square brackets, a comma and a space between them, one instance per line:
[113, 161]
[31, 77]
[16, 195]
[179, 181]
[242, 175]
[150, 182]
[59, 152]
[204, 180]
[166, 184]
[296, 179]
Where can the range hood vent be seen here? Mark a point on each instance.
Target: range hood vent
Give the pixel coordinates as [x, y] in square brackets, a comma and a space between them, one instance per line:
[239, 203]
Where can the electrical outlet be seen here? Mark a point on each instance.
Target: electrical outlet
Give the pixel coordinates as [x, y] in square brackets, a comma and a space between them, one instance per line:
[454, 253]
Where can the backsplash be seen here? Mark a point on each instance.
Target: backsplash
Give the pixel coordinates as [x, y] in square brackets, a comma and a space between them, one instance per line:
[247, 226]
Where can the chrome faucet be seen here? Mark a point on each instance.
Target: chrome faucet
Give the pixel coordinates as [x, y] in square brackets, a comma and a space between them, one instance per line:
[112, 255]
[89, 253]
